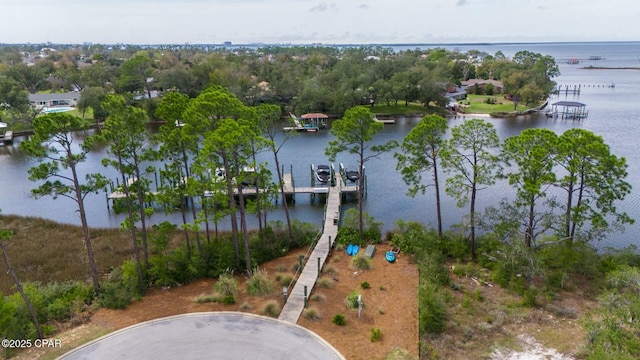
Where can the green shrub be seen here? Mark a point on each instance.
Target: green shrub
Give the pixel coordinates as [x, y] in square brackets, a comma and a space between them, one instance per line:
[311, 313]
[361, 262]
[318, 298]
[176, 267]
[246, 306]
[226, 285]
[114, 296]
[286, 280]
[402, 354]
[324, 282]
[339, 320]
[295, 267]
[120, 288]
[614, 258]
[58, 301]
[555, 280]
[229, 300]
[208, 298]
[412, 236]
[281, 268]
[271, 308]
[259, 283]
[51, 302]
[304, 233]
[432, 267]
[456, 246]
[432, 308]
[265, 245]
[529, 297]
[477, 296]
[365, 285]
[352, 300]
[330, 270]
[349, 233]
[376, 334]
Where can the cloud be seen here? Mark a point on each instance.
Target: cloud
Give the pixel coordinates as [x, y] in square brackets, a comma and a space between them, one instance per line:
[323, 7]
[462, 2]
[363, 7]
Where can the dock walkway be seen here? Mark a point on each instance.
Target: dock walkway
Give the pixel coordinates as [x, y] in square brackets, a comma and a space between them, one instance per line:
[296, 299]
[7, 137]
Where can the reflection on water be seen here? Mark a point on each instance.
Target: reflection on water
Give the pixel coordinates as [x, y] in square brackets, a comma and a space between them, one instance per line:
[613, 114]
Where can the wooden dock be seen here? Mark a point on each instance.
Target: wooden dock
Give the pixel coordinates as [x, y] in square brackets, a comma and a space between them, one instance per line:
[7, 137]
[296, 299]
[290, 189]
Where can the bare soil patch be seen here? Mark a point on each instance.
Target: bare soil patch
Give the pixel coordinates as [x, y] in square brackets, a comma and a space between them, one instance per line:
[391, 306]
[483, 322]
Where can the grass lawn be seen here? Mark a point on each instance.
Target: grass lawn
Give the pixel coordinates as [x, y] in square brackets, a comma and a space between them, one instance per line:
[401, 109]
[477, 104]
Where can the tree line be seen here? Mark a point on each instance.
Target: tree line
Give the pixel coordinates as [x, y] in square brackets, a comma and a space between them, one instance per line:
[567, 186]
[297, 79]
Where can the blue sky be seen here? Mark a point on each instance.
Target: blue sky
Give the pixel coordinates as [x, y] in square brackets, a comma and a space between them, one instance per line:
[313, 21]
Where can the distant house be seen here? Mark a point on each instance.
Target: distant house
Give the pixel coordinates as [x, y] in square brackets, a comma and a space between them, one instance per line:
[456, 92]
[498, 88]
[51, 100]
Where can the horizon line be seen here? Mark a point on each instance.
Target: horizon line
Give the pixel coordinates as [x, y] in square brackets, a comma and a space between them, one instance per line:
[252, 44]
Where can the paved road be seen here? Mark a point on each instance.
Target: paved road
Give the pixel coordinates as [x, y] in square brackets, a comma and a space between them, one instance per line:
[213, 335]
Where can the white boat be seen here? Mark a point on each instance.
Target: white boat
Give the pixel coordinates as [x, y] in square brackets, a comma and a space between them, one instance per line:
[323, 173]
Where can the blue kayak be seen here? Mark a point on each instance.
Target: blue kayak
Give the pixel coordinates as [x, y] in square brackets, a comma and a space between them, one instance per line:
[356, 248]
[390, 256]
[350, 249]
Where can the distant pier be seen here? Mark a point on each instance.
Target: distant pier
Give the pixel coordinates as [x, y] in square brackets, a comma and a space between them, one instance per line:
[7, 137]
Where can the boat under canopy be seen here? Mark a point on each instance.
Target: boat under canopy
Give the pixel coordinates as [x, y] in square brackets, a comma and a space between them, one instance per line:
[568, 110]
[318, 120]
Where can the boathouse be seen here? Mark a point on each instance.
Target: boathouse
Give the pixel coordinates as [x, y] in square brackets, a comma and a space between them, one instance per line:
[568, 110]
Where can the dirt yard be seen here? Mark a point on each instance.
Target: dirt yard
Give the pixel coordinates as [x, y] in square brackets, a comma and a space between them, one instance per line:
[484, 321]
[390, 305]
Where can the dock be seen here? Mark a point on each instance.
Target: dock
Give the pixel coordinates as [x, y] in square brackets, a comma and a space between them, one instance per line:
[386, 121]
[568, 110]
[7, 137]
[290, 189]
[312, 122]
[298, 297]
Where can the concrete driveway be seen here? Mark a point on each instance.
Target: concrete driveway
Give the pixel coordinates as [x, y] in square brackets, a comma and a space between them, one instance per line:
[212, 335]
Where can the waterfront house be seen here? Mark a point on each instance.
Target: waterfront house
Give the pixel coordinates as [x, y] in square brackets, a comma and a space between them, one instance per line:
[470, 84]
[52, 100]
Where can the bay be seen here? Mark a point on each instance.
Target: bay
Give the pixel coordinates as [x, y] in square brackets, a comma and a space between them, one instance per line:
[614, 113]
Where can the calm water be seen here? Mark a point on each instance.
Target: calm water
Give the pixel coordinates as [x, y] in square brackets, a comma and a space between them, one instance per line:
[614, 114]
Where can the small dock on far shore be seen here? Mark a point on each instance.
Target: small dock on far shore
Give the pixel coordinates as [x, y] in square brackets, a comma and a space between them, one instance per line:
[7, 137]
[386, 121]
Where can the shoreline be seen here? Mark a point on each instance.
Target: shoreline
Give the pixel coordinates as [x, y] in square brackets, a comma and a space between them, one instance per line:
[610, 68]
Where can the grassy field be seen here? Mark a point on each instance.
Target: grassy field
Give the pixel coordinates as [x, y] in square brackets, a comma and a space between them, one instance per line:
[47, 251]
[401, 109]
[477, 104]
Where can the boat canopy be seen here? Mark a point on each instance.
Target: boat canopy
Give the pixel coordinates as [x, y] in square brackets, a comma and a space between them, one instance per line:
[314, 116]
